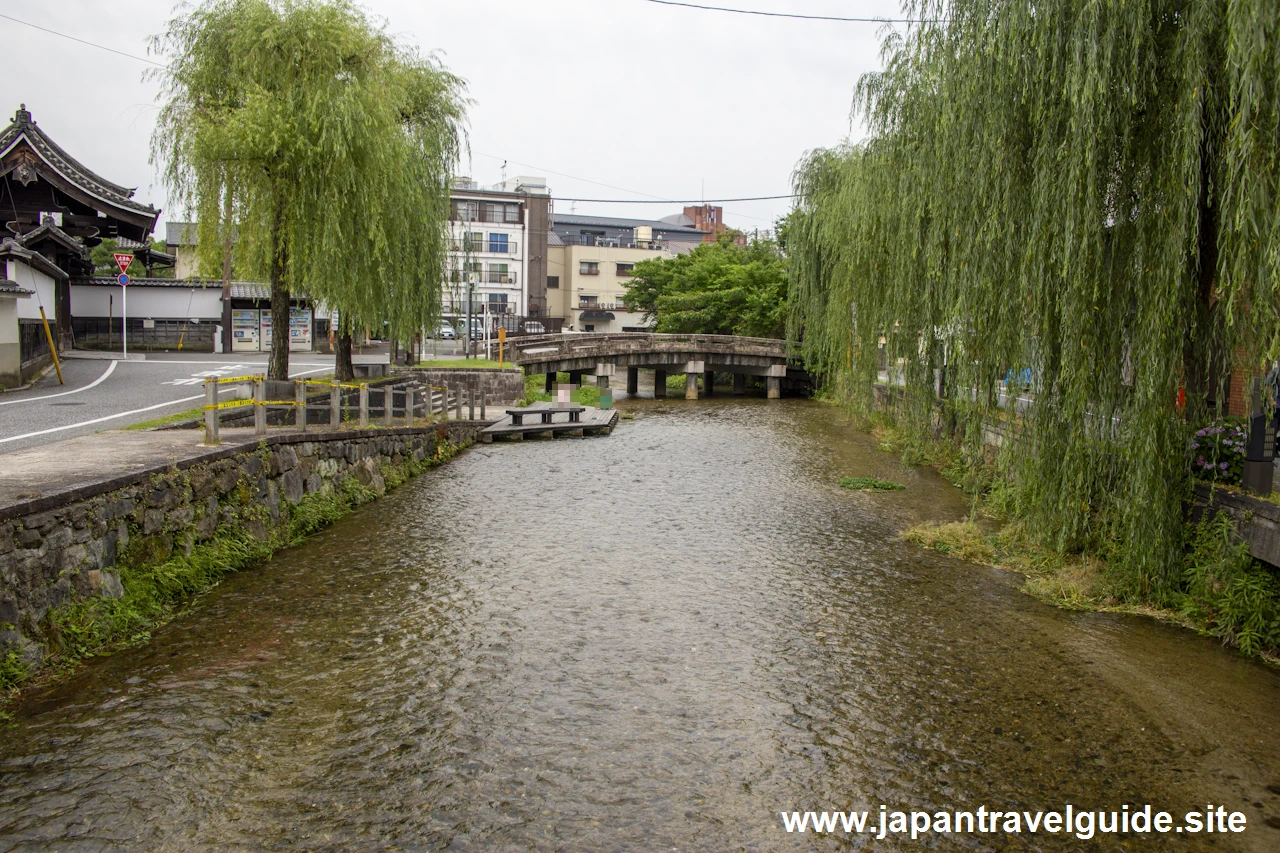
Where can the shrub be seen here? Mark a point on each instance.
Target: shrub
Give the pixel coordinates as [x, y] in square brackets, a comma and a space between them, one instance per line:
[1227, 591]
[874, 484]
[1217, 451]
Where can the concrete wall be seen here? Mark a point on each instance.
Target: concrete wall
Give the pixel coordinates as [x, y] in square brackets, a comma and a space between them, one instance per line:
[61, 547]
[44, 287]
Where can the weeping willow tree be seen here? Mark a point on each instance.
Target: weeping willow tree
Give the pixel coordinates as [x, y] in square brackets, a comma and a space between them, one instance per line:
[1081, 195]
[324, 148]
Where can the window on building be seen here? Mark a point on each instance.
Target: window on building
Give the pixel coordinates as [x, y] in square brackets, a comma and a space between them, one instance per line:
[466, 211]
[586, 299]
[589, 267]
[553, 282]
[589, 327]
[626, 269]
[473, 240]
[498, 274]
[513, 213]
[498, 243]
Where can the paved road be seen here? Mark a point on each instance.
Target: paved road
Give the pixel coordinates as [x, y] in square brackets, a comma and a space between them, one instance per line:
[102, 394]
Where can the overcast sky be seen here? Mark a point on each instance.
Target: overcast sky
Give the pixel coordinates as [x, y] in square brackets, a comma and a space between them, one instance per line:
[656, 100]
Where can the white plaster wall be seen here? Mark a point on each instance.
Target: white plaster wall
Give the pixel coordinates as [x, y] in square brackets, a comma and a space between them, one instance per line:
[156, 303]
[31, 279]
[9, 318]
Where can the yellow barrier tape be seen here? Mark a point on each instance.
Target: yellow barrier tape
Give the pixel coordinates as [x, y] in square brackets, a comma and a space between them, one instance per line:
[229, 404]
[326, 383]
[220, 380]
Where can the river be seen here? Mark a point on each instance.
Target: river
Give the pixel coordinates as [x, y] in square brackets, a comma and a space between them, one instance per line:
[658, 640]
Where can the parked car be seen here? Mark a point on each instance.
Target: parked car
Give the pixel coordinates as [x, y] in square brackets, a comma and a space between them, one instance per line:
[446, 332]
[533, 327]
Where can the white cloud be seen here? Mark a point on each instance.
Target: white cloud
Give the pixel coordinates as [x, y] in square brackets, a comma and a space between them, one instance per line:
[659, 99]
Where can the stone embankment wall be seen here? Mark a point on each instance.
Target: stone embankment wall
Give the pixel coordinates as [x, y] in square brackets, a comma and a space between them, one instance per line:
[67, 546]
[499, 386]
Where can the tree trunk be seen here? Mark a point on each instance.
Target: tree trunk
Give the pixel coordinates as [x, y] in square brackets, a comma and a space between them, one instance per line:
[342, 368]
[279, 367]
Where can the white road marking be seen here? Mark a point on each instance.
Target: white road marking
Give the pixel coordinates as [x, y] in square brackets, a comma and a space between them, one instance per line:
[124, 414]
[109, 369]
[100, 420]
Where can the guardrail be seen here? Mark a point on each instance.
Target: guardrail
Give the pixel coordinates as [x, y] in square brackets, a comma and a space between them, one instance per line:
[416, 399]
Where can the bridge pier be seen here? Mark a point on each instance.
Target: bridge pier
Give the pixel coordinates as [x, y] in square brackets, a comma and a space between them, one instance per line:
[775, 387]
[659, 384]
[602, 380]
[633, 381]
[739, 384]
[691, 386]
[551, 382]
[575, 378]
[708, 382]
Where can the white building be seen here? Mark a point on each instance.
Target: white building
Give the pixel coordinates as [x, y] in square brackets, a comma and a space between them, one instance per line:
[498, 248]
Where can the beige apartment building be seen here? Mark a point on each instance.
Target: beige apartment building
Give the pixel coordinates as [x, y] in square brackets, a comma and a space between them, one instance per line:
[589, 264]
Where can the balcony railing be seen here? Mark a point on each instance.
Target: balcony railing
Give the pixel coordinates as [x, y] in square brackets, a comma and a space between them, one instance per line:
[589, 271]
[492, 247]
[478, 307]
[489, 277]
[602, 306]
[608, 242]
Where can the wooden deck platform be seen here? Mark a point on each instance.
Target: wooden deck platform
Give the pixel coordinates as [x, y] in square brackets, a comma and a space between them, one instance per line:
[593, 422]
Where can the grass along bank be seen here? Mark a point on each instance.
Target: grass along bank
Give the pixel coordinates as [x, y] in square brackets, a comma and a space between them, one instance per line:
[155, 592]
[1225, 593]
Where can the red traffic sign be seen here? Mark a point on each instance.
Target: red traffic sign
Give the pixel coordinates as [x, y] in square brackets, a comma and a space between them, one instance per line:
[122, 279]
[123, 259]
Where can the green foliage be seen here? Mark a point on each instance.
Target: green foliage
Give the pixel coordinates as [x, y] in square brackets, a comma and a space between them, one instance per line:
[104, 261]
[586, 395]
[1084, 194]
[12, 672]
[870, 484]
[719, 288]
[1228, 592]
[322, 145]
[1217, 451]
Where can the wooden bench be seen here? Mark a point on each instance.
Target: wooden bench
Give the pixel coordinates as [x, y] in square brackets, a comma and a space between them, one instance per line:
[575, 414]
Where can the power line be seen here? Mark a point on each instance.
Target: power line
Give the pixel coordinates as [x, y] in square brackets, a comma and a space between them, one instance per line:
[791, 15]
[673, 201]
[571, 177]
[82, 41]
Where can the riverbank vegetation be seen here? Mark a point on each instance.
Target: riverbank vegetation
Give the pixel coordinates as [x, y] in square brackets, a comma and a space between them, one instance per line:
[155, 591]
[1092, 231]
[585, 395]
[874, 484]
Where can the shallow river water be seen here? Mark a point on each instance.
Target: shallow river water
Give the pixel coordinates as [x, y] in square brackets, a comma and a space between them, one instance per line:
[658, 640]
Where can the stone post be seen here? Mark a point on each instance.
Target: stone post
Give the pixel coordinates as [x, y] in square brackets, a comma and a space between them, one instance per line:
[300, 405]
[211, 412]
[259, 406]
[335, 406]
[633, 381]
[659, 384]
[388, 403]
[471, 404]
[364, 405]
[408, 406]
[457, 405]
[739, 384]
[483, 416]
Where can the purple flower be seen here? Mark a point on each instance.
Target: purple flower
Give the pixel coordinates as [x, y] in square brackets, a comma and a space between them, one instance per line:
[1200, 433]
[1223, 466]
[1200, 461]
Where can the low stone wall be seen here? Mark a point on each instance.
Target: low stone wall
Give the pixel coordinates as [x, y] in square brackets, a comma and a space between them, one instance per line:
[66, 546]
[1257, 520]
[498, 386]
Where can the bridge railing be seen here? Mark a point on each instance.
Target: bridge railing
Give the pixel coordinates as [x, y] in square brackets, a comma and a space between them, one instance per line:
[537, 348]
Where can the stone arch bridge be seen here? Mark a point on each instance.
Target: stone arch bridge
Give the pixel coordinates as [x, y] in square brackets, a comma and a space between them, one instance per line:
[606, 355]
